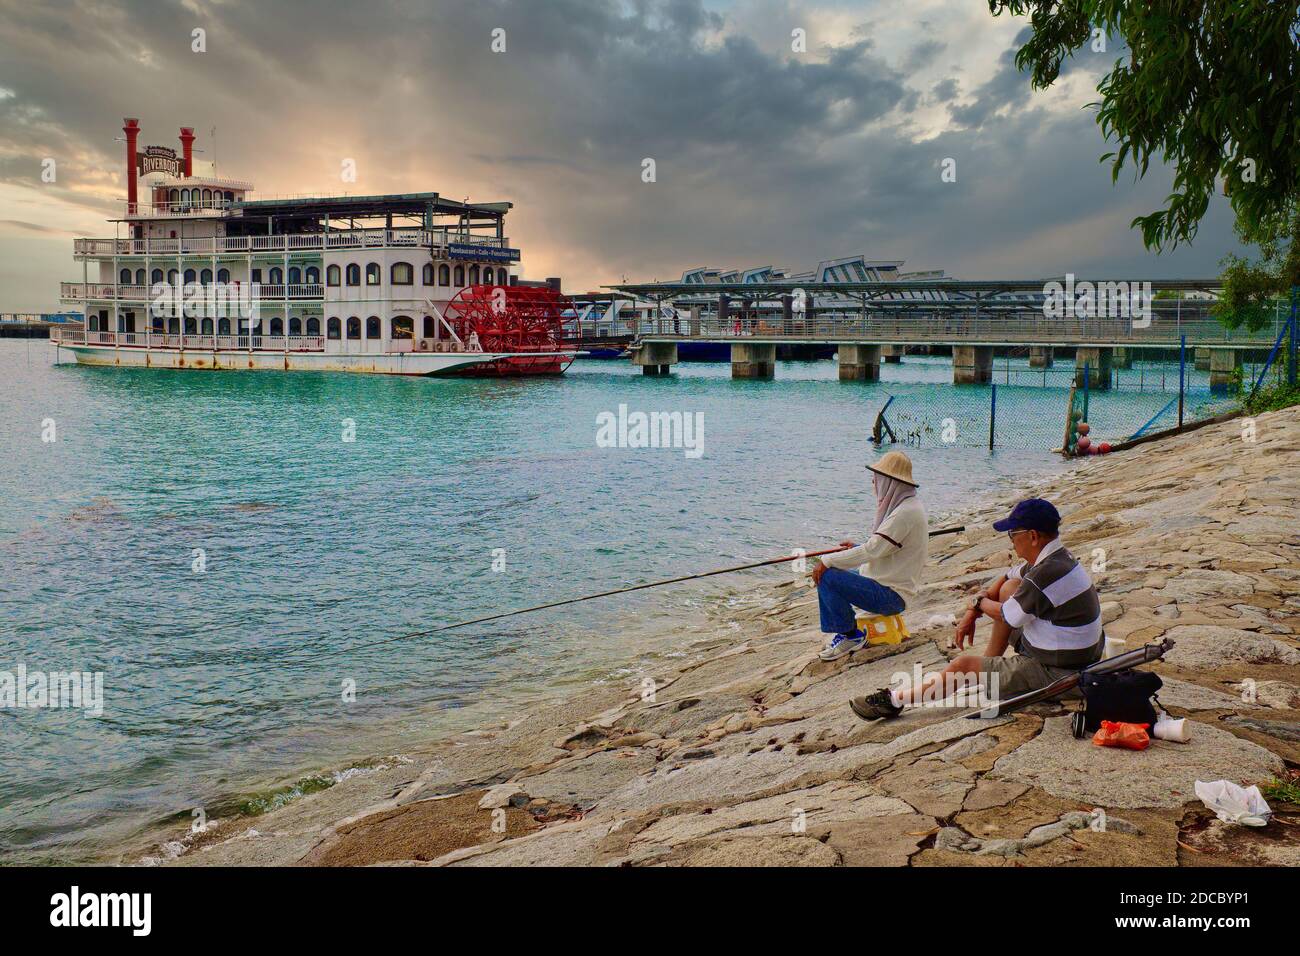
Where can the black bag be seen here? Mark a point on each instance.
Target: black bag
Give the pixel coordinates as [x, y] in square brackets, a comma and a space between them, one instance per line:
[1124, 697]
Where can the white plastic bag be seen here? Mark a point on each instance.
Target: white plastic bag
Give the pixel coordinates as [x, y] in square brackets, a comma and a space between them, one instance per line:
[1234, 804]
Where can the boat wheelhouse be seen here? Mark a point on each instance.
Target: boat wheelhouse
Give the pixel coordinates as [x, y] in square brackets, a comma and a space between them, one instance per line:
[207, 277]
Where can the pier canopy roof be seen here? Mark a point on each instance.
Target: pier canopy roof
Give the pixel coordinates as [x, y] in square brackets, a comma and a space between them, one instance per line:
[968, 289]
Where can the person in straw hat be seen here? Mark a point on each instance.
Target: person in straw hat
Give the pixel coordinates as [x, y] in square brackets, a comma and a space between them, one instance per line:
[892, 560]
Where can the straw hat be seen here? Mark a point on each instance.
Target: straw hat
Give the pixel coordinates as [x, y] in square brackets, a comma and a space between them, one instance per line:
[895, 464]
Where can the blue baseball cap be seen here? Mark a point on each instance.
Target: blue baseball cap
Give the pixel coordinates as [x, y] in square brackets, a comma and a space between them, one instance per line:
[1032, 514]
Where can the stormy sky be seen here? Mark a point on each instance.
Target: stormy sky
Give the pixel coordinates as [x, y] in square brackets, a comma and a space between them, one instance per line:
[763, 154]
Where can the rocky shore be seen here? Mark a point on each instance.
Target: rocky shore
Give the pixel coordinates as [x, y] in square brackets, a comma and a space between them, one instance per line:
[747, 753]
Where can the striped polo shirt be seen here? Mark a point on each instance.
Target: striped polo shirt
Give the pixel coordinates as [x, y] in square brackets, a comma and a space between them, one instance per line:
[1056, 610]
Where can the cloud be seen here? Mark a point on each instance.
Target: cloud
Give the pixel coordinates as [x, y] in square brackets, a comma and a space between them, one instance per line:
[763, 154]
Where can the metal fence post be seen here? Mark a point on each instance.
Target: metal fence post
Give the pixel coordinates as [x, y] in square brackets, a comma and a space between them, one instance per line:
[993, 413]
[1182, 375]
[1291, 348]
[1086, 368]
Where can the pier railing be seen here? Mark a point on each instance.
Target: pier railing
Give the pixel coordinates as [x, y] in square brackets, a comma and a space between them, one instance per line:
[1009, 327]
[438, 239]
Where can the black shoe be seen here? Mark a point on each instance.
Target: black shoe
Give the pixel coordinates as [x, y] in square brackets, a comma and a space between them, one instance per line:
[875, 706]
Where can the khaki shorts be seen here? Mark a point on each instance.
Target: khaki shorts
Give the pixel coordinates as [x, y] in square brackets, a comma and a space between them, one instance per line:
[1021, 674]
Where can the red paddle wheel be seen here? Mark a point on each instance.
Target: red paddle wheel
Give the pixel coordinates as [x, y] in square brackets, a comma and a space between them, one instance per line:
[511, 318]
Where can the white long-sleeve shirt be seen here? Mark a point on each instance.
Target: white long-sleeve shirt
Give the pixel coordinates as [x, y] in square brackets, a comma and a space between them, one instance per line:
[896, 552]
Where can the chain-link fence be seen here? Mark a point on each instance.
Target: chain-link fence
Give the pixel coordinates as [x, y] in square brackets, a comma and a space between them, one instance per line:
[1028, 407]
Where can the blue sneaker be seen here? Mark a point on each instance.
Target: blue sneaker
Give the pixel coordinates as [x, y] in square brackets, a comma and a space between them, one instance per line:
[843, 644]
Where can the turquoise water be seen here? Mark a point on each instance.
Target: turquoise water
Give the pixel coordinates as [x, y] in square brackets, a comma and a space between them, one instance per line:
[320, 552]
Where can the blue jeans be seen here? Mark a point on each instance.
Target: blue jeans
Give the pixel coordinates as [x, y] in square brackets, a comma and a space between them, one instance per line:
[841, 591]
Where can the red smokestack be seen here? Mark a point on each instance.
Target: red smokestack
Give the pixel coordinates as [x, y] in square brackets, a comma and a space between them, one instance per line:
[187, 148]
[131, 127]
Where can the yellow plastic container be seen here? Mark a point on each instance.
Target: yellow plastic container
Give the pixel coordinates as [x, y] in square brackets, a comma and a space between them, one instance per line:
[883, 628]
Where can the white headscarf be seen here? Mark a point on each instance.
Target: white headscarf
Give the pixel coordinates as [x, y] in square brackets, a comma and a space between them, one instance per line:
[890, 493]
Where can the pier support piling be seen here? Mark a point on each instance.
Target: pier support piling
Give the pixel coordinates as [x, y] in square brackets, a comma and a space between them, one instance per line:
[1098, 361]
[655, 358]
[1202, 359]
[753, 360]
[972, 364]
[1121, 358]
[1223, 365]
[893, 354]
[1040, 356]
[859, 363]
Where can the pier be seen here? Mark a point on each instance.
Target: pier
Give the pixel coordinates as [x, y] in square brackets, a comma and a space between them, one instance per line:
[35, 325]
[880, 321]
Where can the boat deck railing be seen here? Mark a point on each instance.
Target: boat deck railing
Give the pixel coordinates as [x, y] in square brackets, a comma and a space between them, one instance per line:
[342, 239]
[190, 340]
[260, 291]
[154, 339]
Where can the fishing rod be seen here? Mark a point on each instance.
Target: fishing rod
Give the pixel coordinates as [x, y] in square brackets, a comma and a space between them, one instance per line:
[656, 584]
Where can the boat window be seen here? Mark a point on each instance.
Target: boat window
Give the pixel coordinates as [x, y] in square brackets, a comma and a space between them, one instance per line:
[124, 277]
[191, 326]
[277, 276]
[223, 275]
[444, 274]
[295, 275]
[223, 327]
[312, 275]
[139, 277]
[277, 326]
[403, 327]
[156, 276]
[295, 326]
[206, 277]
[333, 326]
[372, 273]
[473, 275]
[402, 274]
[427, 273]
[173, 326]
[429, 327]
[354, 328]
[171, 276]
[354, 274]
[257, 275]
[313, 326]
[207, 327]
[190, 275]
[372, 327]
[332, 275]
[460, 276]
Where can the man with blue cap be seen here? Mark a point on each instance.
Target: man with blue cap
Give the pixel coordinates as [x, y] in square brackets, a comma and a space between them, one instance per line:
[1045, 606]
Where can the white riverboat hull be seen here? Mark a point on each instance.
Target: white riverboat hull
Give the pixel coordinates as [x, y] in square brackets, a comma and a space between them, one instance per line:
[370, 363]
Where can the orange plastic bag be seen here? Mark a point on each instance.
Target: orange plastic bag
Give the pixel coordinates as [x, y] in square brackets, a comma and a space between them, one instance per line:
[1125, 736]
